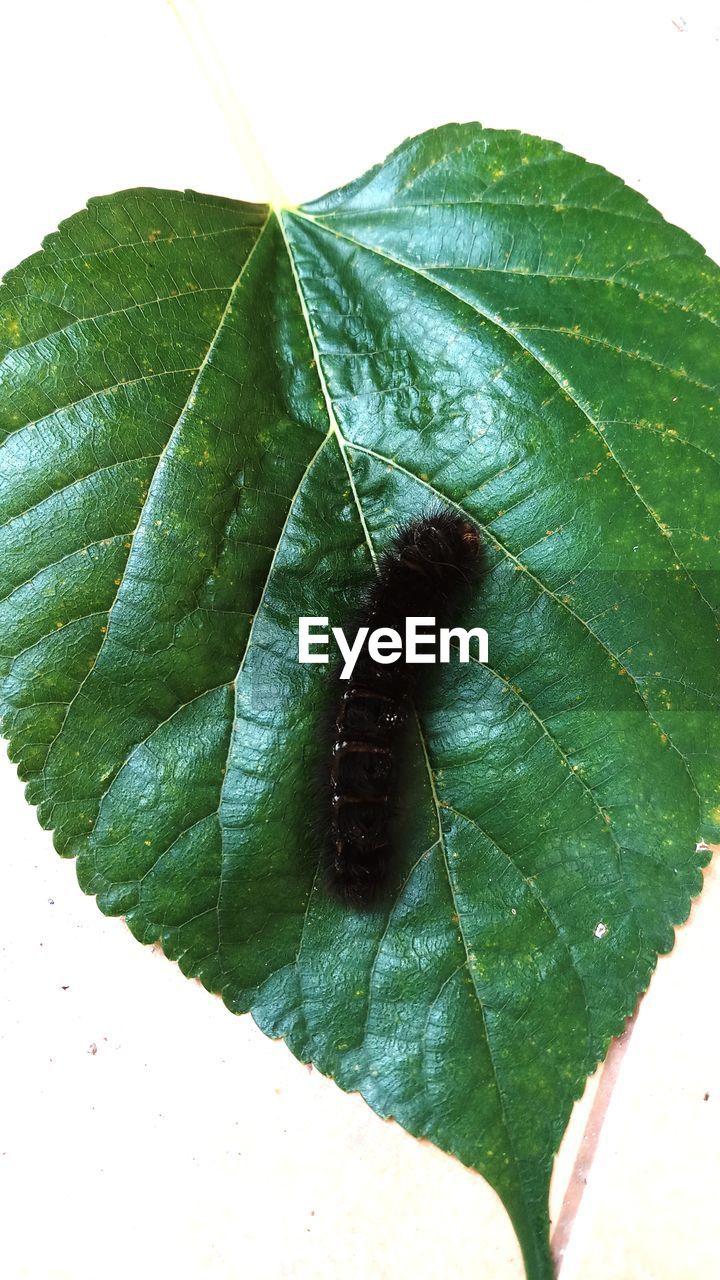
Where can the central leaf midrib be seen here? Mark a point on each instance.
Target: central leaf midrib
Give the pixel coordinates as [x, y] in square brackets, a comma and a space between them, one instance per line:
[334, 427]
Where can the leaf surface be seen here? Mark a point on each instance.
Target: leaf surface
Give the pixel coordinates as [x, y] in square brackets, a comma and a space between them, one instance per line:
[212, 415]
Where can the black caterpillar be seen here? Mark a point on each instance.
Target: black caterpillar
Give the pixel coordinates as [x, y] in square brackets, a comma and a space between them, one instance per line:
[423, 573]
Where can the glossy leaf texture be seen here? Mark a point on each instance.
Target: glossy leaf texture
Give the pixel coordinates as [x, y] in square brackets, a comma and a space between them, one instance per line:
[213, 415]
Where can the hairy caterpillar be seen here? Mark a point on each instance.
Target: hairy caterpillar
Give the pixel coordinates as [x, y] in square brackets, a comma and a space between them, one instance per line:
[423, 573]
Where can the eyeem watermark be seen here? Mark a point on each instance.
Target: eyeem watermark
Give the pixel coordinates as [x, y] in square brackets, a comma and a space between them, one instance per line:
[386, 645]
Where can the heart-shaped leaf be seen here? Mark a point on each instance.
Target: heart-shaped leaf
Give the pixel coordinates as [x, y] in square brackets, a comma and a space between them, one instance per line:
[213, 414]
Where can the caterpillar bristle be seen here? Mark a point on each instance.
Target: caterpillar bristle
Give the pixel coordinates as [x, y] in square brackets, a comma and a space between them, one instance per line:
[430, 561]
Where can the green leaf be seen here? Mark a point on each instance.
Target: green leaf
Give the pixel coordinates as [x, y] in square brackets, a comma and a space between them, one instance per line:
[213, 414]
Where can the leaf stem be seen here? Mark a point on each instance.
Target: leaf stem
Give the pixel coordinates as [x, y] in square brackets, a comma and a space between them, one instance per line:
[189, 17]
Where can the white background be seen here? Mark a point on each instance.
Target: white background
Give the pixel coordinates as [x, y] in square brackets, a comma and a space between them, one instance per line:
[143, 1130]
